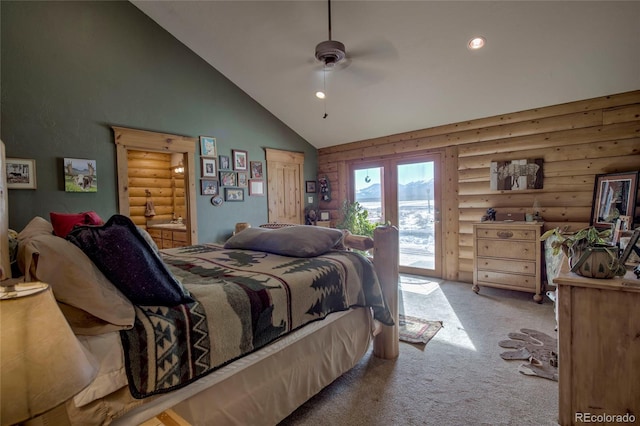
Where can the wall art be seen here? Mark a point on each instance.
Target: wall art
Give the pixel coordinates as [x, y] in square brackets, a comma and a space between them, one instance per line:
[614, 195]
[256, 169]
[208, 146]
[256, 187]
[233, 194]
[80, 175]
[516, 174]
[225, 163]
[242, 179]
[208, 187]
[228, 178]
[240, 160]
[310, 186]
[208, 167]
[20, 173]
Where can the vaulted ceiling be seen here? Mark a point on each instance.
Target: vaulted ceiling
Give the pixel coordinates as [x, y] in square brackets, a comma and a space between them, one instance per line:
[408, 64]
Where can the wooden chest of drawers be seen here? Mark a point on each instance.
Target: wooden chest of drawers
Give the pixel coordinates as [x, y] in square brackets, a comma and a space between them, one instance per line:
[508, 255]
[165, 238]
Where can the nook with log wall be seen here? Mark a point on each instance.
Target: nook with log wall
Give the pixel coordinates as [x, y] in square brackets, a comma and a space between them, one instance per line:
[151, 171]
[576, 140]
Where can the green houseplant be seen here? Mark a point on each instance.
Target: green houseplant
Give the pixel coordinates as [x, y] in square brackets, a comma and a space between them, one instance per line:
[589, 251]
[355, 219]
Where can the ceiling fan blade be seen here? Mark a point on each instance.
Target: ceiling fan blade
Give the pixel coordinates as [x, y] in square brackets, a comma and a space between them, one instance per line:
[373, 50]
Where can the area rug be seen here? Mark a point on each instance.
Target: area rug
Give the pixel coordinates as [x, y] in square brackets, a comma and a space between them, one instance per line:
[539, 349]
[417, 330]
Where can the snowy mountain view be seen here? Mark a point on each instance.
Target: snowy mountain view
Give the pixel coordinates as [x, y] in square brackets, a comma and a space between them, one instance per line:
[416, 220]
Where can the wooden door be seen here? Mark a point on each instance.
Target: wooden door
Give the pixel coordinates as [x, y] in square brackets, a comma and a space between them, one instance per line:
[285, 175]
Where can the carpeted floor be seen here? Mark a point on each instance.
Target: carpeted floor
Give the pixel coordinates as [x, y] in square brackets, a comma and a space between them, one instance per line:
[458, 378]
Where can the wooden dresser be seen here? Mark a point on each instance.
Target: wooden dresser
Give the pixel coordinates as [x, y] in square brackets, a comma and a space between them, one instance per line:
[508, 255]
[599, 342]
[169, 238]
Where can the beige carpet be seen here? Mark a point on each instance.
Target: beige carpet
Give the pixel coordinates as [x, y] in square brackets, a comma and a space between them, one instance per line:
[458, 378]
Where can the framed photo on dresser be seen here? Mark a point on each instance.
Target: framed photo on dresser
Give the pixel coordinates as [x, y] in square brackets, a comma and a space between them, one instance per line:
[614, 195]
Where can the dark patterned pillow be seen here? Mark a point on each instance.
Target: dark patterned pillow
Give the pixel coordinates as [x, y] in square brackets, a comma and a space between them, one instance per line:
[119, 250]
[295, 241]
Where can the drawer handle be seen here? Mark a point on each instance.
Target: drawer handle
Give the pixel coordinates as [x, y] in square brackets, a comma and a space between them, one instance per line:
[505, 234]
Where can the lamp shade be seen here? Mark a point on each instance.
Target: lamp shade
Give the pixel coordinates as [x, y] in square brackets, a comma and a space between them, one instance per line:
[42, 363]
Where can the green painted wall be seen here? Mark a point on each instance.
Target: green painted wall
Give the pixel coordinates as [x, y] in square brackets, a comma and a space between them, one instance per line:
[71, 70]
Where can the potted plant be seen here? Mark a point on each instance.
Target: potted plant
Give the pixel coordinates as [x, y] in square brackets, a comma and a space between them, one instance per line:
[356, 219]
[589, 251]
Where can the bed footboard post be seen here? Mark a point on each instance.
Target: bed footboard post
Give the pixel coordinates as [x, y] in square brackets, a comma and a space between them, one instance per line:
[387, 263]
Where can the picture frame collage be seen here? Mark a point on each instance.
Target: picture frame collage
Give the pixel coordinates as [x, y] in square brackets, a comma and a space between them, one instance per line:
[225, 177]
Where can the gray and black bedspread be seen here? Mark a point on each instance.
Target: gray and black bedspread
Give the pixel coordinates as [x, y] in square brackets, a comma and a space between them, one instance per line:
[243, 300]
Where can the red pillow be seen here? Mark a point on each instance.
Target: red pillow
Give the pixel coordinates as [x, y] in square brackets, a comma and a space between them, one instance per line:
[63, 223]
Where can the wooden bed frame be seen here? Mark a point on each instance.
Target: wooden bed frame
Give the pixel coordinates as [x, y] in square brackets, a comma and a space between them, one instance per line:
[385, 344]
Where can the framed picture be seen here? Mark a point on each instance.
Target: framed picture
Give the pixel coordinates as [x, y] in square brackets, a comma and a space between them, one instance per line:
[80, 175]
[208, 187]
[208, 166]
[234, 194]
[516, 174]
[630, 246]
[224, 162]
[242, 179]
[20, 173]
[324, 215]
[228, 178]
[256, 169]
[311, 186]
[207, 146]
[256, 187]
[239, 159]
[614, 195]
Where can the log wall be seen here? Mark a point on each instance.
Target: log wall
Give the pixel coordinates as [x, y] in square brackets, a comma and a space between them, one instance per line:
[576, 140]
[150, 171]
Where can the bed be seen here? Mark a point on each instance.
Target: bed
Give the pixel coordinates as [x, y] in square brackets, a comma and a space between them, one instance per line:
[270, 363]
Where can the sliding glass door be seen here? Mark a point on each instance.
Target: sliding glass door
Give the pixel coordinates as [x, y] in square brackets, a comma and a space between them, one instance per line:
[405, 192]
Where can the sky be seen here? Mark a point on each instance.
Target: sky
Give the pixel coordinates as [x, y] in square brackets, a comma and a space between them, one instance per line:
[406, 173]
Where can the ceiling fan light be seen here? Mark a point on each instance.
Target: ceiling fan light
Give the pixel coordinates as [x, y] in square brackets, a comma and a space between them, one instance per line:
[320, 94]
[476, 43]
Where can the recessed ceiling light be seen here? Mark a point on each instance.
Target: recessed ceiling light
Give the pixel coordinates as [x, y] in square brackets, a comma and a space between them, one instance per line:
[320, 95]
[476, 43]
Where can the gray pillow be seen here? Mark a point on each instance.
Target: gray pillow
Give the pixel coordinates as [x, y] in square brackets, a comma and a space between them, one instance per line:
[295, 241]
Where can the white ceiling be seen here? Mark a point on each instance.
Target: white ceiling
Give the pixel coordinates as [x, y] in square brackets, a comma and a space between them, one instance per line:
[411, 68]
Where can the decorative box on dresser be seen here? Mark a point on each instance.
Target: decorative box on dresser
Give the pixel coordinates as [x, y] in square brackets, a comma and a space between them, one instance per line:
[599, 348]
[508, 255]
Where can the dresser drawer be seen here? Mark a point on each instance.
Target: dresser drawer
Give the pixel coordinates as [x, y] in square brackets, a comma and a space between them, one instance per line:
[180, 236]
[488, 264]
[155, 233]
[511, 280]
[507, 234]
[506, 249]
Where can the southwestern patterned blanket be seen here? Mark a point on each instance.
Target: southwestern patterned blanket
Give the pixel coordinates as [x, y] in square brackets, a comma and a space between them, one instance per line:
[243, 300]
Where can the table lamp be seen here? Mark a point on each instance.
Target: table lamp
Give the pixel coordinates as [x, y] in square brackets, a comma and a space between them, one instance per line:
[42, 363]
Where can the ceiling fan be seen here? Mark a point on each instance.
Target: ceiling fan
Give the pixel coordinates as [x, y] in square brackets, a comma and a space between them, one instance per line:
[330, 52]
